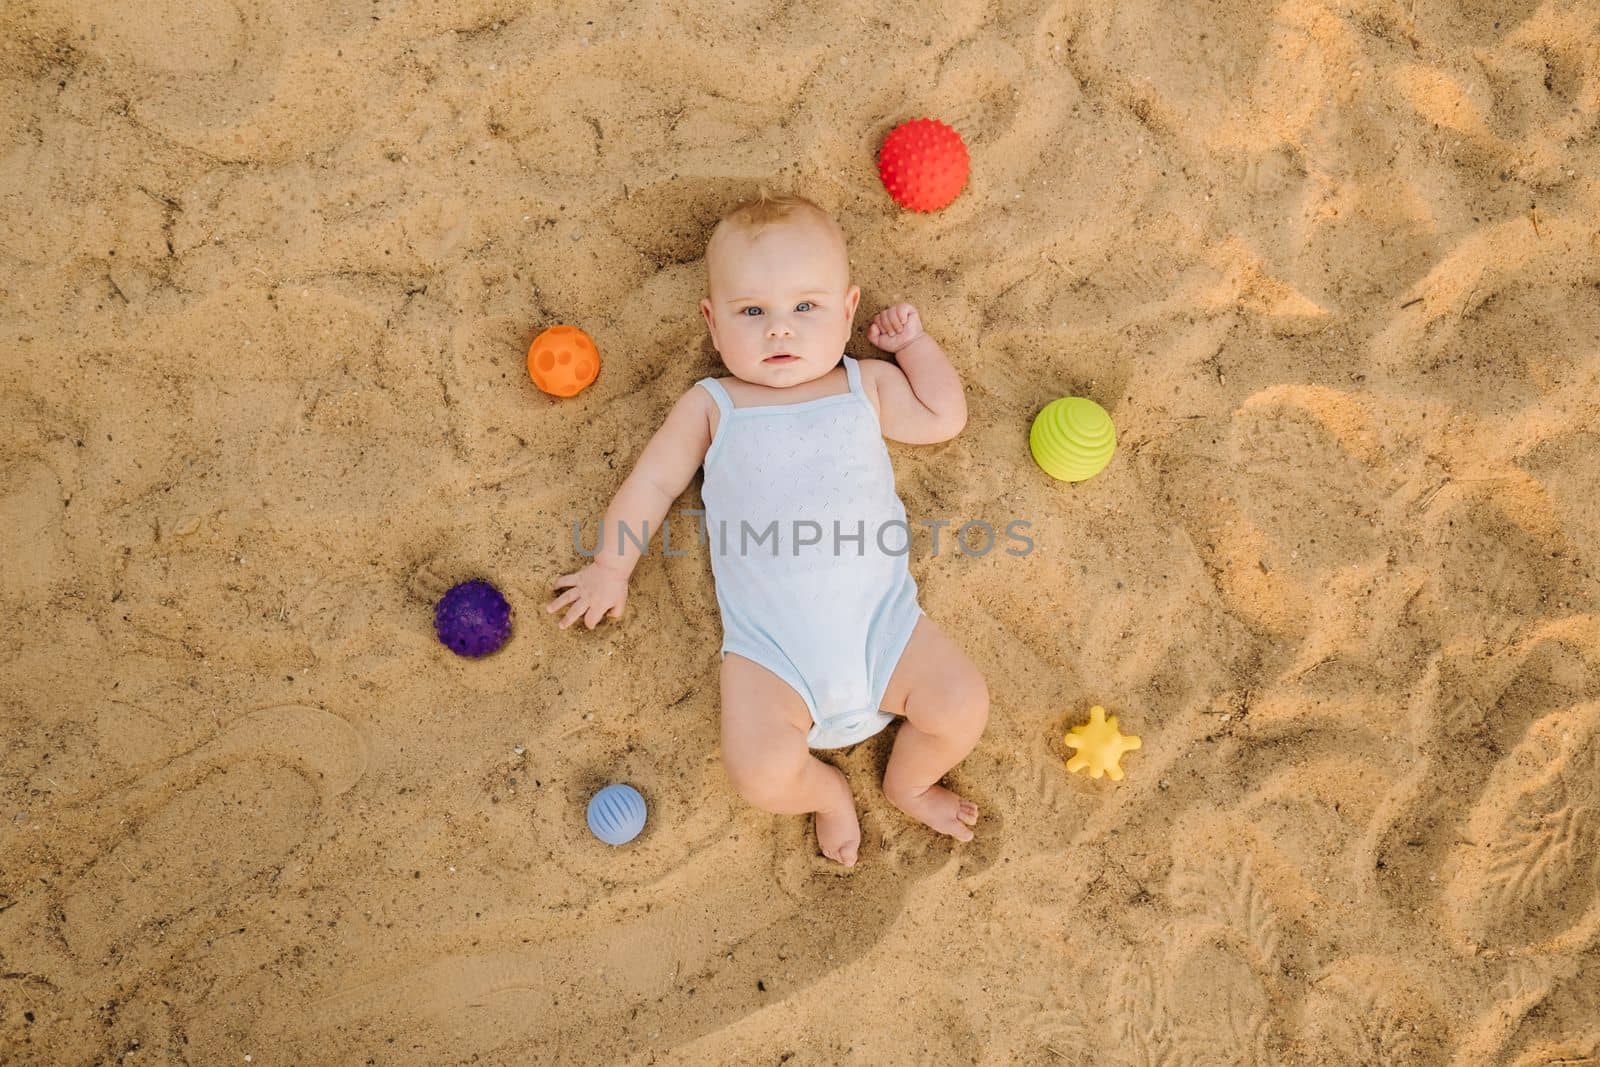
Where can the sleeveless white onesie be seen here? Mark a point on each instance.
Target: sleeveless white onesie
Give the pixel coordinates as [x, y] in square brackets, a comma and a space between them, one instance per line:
[788, 488]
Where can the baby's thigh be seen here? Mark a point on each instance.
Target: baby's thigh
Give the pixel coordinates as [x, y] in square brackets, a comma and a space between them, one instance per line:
[933, 663]
[764, 722]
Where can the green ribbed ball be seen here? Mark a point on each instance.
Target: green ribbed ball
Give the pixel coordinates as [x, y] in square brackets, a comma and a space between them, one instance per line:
[1072, 438]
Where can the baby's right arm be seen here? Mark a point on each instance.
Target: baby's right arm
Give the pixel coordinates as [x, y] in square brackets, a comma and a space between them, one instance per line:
[663, 471]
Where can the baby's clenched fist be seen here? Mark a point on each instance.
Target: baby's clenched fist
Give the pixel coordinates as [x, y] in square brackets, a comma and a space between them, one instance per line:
[895, 327]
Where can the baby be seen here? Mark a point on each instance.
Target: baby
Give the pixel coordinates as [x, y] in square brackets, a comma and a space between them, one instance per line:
[823, 641]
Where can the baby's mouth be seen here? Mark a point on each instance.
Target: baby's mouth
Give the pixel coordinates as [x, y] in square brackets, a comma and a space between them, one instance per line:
[781, 357]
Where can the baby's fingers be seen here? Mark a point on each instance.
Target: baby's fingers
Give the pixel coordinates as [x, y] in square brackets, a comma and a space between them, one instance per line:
[577, 610]
[565, 598]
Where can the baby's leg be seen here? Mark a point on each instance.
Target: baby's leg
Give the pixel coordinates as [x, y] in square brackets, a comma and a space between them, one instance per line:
[945, 702]
[764, 727]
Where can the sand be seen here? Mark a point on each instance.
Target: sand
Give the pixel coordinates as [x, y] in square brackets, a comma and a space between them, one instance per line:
[270, 272]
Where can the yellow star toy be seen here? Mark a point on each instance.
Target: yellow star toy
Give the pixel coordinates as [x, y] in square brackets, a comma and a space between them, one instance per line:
[1100, 745]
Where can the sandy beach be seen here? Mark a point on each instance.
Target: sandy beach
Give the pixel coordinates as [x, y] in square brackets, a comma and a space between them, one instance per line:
[268, 277]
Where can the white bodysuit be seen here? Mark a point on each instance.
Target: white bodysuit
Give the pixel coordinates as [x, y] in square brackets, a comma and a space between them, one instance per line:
[787, 489]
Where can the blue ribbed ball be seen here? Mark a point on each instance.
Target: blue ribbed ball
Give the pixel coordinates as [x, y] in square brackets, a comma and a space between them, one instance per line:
[616, 814]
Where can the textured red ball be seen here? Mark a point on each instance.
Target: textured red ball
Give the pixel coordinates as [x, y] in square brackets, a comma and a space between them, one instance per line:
[923, 164]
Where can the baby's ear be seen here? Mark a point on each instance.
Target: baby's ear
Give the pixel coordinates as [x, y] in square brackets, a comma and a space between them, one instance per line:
[711, 323]
[851, 299]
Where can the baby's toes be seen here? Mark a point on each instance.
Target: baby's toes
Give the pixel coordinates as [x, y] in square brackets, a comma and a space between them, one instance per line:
[844, 853]
[967, 812]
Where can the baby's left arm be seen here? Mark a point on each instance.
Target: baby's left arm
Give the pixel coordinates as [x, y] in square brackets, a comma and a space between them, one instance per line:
[920, 400]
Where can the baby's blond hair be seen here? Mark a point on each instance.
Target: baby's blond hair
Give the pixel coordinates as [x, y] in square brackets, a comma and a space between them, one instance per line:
[750, 217]
[764, 209]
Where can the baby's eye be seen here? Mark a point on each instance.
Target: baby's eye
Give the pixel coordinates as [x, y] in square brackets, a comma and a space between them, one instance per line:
[751, 308]
[804, 305]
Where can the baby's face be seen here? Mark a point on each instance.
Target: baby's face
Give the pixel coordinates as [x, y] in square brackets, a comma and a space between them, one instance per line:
[781, 306]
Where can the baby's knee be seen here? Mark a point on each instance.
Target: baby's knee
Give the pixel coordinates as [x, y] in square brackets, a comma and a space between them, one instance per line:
[959, 708]
[974, 704]
[766, 779]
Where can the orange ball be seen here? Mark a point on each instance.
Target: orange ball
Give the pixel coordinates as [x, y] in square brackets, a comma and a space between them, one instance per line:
[563, 361]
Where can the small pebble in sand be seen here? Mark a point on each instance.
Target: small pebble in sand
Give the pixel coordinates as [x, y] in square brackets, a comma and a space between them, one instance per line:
[517, 750]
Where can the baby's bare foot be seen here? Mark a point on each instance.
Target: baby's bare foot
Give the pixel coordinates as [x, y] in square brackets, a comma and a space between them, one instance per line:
[947, 812]
[839, 833]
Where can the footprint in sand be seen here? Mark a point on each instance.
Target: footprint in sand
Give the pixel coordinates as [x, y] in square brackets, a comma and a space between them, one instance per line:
[1189, 994]
[1226, 970]
[243, 801]
[1530, 862]
[1497, 328]
[1370, 1009]
[1203, 980]
[1218, 888]
[1304, 500]
[1515, 827]
[1307, 468]
[1235, 964]
[1495, 557]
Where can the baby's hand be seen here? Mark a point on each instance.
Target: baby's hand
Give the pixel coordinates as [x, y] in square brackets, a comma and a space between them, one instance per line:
[895, 327]
[595, 591]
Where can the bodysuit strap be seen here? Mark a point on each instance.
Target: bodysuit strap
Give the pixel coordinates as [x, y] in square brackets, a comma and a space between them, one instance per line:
[853, 374]
[719, 394]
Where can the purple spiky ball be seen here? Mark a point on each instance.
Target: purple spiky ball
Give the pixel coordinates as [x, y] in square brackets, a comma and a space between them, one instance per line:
[473, 619]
